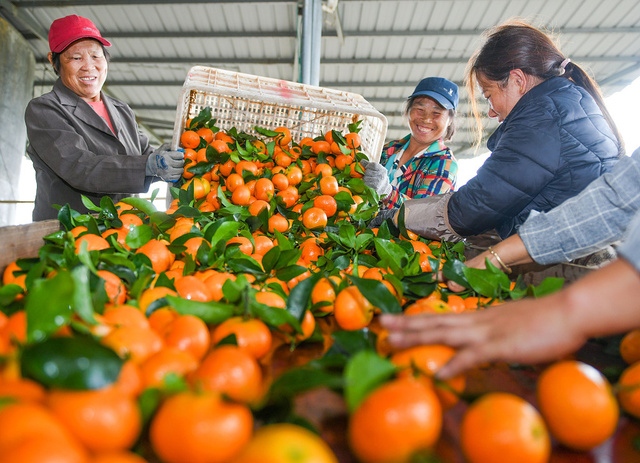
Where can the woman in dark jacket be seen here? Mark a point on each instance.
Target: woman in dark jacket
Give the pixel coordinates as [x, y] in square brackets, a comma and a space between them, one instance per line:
[555, 137]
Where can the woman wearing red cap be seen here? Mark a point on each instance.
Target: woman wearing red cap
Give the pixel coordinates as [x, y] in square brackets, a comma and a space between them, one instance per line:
[81, 141]
[419, 164]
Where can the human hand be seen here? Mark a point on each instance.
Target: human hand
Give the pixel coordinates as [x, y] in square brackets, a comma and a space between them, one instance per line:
[382, 216]
[167, 165]
[527, 331]
[376, 177]
[511, 251]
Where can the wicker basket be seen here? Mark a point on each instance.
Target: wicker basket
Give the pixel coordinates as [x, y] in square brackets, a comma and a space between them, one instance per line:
[244, 101]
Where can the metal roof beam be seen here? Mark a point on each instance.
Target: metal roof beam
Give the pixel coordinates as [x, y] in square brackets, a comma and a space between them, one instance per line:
[152, 107]
[11, 13]
[325, 61]
[179, 83]
[619, 76]
[67, 3]
[355, 33]
[333, 34]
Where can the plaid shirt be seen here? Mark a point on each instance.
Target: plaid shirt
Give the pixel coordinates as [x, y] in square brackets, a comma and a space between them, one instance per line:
[431, 172]
[607, 211]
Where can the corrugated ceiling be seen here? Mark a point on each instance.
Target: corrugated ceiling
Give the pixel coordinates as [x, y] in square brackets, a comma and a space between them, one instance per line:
[377, 48]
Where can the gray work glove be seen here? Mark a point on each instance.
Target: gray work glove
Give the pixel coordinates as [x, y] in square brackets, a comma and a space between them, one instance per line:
[376, 177]
[383, 215]
[167, 165]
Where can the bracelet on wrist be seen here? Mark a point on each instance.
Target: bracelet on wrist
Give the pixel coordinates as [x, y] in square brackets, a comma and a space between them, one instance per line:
[504, 266]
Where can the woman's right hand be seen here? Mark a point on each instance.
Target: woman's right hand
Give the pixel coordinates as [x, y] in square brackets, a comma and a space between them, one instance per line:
[166, 165]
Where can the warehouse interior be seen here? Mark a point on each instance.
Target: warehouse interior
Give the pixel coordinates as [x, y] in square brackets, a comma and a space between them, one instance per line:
[378, 49]
[278, 304]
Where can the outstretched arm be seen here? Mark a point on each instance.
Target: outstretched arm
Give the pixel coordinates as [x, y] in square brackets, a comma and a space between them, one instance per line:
[604, 302]
[595, 218]
[511, 251]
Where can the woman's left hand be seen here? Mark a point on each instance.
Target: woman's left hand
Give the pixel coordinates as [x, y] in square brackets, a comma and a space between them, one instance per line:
[376, 177]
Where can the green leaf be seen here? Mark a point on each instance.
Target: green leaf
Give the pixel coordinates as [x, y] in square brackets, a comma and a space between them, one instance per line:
[139, 236]
[162, 220]
[209, 312]
[119, 260]
[391, 253]
[108, 210]
[8, 293]
[244, 264]
[154, 195]
[351, 342]
[347, 233]
[488, 282]
[187, 211]
[290, 272]
[287, 258]
[48, 305]
[362, 240]
[283, 243]
[274, 316]
[270, 259]
[377, 293]
[234, 290]
[364, 372]
[293, 382]
[300, 296]
[64, 216]
[418, 286]
[548, 286]
[149, 401]
[454, 270]
[77, 362]
[89, 204]
[82, 299]
[141, 204]
[221, 230]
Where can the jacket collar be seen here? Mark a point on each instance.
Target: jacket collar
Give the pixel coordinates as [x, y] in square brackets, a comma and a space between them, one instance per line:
[543, 88]
[84, 112]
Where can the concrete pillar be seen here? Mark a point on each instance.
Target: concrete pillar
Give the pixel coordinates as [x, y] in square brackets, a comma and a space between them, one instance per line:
[17, 69]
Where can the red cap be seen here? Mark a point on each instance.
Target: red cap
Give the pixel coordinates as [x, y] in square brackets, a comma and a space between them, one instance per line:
[64, 31]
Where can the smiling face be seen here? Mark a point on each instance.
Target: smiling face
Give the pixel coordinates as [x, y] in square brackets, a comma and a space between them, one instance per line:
[83, 68]
[501, 98]
[428, 120]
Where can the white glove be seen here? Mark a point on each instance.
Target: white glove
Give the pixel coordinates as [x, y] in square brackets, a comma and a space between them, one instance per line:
[376, 177]
[167, 165]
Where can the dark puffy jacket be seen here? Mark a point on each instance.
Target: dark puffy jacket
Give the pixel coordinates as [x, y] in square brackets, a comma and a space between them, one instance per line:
[553, 143]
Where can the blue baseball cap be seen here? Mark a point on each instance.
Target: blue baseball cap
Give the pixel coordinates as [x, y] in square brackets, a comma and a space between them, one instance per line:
[440, 89]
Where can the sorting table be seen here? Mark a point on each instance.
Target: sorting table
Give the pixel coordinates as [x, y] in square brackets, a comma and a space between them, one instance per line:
[326, 409]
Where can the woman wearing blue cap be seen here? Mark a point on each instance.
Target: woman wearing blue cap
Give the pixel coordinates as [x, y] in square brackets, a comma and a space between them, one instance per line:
[555, 137]
[419, 164]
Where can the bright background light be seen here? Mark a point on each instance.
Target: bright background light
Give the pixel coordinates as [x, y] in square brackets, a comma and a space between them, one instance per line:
[623, 107]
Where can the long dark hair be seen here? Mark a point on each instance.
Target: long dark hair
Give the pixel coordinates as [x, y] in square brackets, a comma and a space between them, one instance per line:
[55, 58]
[518, 45]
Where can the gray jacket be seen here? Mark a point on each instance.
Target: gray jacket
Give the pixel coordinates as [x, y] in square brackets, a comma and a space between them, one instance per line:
[606, 212]
[74, 152]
